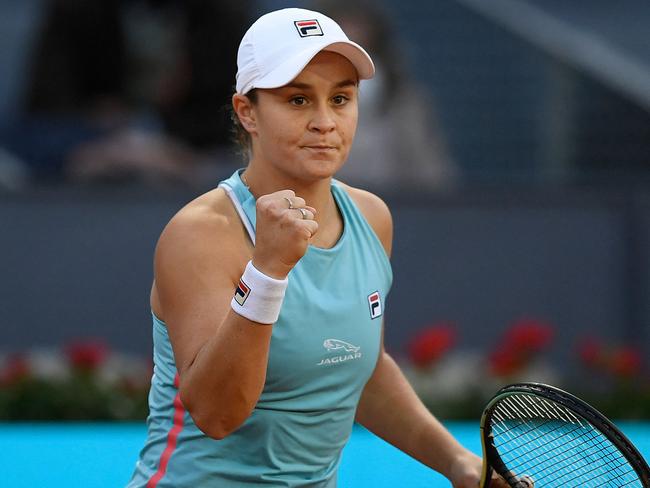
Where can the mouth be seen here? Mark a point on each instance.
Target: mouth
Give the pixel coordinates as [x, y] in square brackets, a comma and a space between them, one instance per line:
[320, 147]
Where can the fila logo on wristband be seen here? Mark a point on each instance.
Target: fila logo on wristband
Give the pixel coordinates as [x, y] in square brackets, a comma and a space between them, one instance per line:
[242, 292]
[258, 297]
[374, 302]
[307, 28]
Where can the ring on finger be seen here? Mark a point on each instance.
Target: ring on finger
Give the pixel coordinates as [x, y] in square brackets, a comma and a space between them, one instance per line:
[289, 202]
[303, 212]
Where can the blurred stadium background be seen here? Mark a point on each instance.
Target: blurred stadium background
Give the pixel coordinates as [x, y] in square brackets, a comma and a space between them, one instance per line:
[541, 242]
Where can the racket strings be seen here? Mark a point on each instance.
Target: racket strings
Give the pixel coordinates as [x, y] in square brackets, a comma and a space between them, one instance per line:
[596, 472]
[589, 433]
[634, 482]
[517, 442]
[548, 468]
[550, 471]
[539, 438]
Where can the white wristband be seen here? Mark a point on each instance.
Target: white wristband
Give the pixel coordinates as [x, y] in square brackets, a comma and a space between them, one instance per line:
[258, 296]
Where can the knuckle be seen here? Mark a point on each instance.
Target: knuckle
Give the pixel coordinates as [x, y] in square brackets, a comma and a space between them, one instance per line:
[263, 203]
[275, 206]
[265, 211]
[286, 217]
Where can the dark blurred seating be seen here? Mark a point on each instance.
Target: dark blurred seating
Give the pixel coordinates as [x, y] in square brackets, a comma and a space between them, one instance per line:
[399, 142]
[129, 90]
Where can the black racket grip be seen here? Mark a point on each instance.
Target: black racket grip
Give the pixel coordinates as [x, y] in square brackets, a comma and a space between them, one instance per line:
[523, 482]
[488, 477]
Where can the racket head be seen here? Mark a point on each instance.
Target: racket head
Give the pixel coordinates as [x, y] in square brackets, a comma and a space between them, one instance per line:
[539, 435]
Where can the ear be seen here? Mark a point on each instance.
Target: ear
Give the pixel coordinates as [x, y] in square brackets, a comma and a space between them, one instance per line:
[245, 111]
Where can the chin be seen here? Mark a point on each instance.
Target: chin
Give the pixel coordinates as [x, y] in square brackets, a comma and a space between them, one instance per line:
[315, 168]
[324, 169]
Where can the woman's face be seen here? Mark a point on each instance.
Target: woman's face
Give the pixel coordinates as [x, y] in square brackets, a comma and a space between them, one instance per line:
[305, 129]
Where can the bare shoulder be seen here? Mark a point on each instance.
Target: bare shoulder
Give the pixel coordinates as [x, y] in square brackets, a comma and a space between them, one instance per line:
[376, 212]
[209, 222]
[201, 252]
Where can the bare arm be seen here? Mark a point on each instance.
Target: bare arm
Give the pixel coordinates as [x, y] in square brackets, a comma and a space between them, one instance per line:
[390, 408]
[221, 356]
[196, 267]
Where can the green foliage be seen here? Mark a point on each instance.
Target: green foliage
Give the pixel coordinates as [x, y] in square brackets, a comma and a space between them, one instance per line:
[78, 397]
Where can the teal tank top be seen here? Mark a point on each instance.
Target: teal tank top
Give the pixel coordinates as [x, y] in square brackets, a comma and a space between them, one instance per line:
[323, 349]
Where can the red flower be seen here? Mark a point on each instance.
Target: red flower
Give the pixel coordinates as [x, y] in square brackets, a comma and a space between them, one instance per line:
[591, 351]
[621, 361]
[626, 362]
[87, 355]
[430, 344]
[16, 369]
[520, 343]
[506, 361]
[529, 335]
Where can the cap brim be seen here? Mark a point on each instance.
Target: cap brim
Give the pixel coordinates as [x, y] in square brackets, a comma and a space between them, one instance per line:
[357, 56]
[291, 68]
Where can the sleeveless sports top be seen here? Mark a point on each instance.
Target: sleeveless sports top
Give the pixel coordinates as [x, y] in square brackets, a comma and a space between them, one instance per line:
[323, 350]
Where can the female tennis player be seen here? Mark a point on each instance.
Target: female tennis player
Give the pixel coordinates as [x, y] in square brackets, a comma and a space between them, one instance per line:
[269, 291]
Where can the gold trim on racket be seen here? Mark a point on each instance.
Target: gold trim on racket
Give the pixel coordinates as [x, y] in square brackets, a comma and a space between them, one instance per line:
[488, 474]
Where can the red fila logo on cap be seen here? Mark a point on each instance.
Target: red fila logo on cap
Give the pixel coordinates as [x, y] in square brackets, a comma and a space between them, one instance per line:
[374, 302]
[242, 292]
[308, 28]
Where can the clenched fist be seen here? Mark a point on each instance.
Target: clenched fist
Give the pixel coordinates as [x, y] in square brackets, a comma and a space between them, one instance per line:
[285, 224]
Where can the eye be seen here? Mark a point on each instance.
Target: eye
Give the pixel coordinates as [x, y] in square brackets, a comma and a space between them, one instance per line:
[298, 101]
[340, 99]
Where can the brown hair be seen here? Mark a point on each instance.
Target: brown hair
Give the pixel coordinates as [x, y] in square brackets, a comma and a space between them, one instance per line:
[240, 135]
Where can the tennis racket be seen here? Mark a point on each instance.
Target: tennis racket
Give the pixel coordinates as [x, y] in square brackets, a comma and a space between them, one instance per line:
[539, 436]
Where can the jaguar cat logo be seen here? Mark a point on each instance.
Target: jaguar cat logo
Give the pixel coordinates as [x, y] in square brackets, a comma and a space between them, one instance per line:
[335, 344]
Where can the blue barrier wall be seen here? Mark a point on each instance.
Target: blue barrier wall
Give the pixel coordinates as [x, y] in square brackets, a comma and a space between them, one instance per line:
[80, 265]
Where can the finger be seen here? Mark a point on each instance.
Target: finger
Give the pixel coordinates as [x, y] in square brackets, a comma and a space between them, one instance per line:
[289, 202]
[526, 481]
[496, 481]
[502, 483]
[277, 200]
[297, 202]
[284, 193]
[303, 213]
[311, 226]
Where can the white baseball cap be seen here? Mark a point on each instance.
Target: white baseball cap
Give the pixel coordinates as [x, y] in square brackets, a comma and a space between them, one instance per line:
[278, 46]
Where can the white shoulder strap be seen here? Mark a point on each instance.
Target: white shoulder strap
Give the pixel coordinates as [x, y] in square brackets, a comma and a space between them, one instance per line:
[240, 210]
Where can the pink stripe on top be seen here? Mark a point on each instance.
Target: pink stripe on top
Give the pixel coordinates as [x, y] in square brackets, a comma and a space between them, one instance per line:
[172, 437]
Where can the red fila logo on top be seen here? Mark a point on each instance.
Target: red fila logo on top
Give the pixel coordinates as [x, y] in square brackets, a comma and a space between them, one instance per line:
[242, 292]
[308, 28]
[374, 302]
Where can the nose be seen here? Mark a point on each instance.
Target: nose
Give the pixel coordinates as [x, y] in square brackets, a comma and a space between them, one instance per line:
[323, 120]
